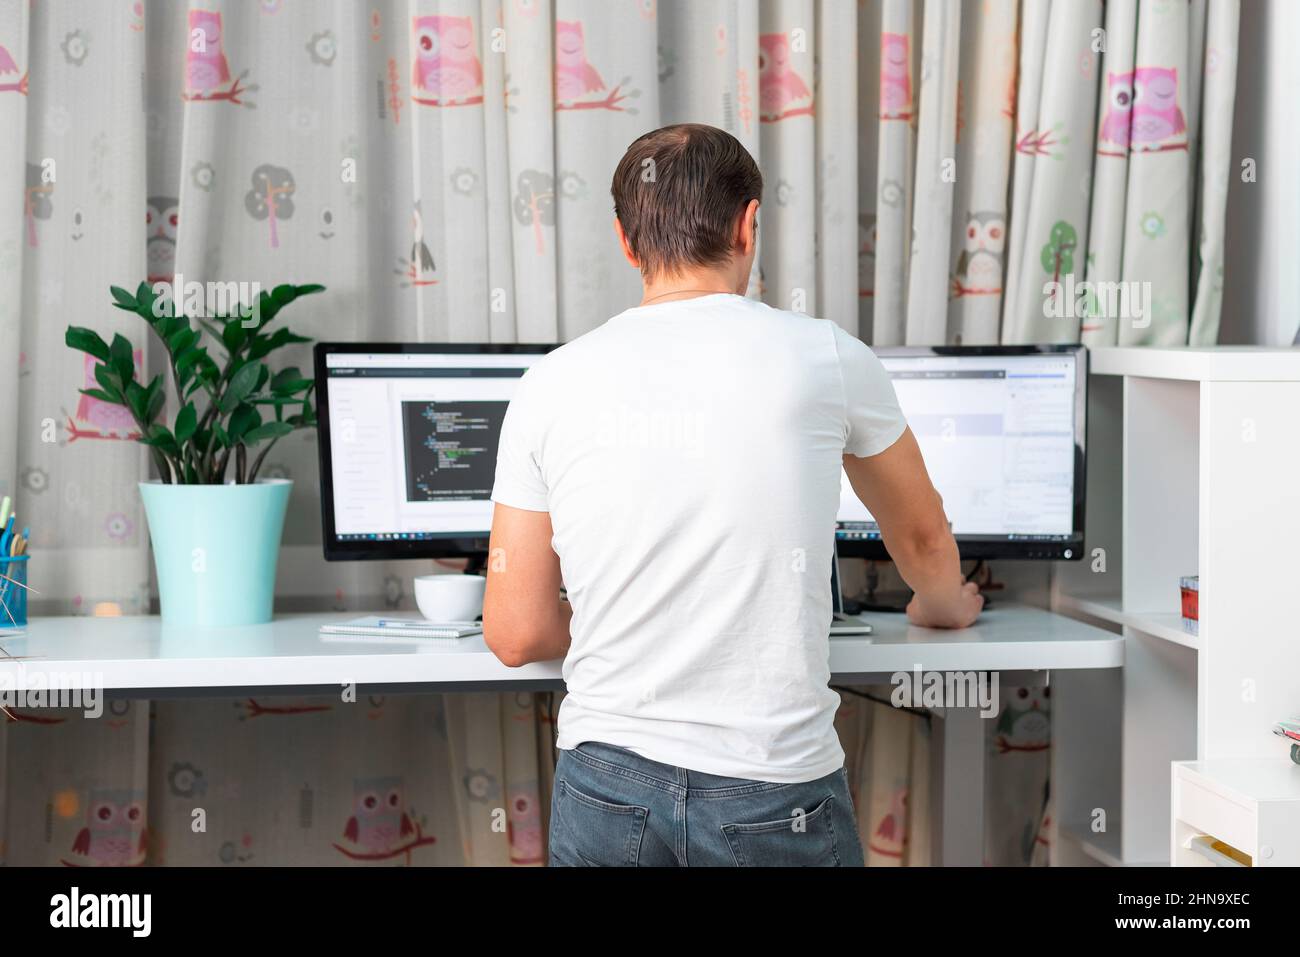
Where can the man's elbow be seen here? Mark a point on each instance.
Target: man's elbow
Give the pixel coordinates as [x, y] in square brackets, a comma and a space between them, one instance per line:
[511, 644]
[930, 542]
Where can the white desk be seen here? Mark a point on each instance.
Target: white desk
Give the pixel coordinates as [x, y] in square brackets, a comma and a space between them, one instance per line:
[140, 657]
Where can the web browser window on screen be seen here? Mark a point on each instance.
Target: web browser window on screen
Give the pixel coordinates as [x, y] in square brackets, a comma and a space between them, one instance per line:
[997, 433]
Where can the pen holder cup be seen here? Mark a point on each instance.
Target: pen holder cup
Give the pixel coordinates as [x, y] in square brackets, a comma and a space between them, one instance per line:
[13, 592]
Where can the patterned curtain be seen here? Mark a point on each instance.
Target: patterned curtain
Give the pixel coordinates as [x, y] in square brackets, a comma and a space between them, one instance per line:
[442, 167]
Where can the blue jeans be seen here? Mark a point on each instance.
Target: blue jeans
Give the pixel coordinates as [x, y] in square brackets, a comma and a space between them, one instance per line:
[613, 808]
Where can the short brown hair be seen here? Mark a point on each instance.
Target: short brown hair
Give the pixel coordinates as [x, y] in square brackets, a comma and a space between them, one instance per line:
[678, 192]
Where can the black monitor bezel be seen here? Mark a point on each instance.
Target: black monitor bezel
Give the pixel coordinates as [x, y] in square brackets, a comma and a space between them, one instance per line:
[1070, 549]
[392, 549]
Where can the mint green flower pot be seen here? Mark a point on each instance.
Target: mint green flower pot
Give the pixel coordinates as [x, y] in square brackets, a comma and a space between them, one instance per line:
[215, 549]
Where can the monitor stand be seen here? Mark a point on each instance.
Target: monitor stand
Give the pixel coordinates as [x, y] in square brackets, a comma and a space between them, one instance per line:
[897, 601]
[893, 602]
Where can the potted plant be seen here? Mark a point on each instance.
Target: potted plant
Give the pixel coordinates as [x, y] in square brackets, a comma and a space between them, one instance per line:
[214, 524]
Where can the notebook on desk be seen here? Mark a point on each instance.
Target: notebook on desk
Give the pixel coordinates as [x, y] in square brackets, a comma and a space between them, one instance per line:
[376, 626]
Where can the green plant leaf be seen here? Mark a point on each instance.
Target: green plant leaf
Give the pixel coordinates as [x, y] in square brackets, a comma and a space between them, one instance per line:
[244, 419]
[159, 436]
[123, 298]
[87, 341]
[181, 340]
[240, 385]
[262, 345]
[112, 384]
[168, 326]
[189, 358]
[187, 420]
[157, 398]
[289, 381]
[137, 400]
[145, 299]
[99, 394]
[234, 335]
[122, 357]
[267, 430]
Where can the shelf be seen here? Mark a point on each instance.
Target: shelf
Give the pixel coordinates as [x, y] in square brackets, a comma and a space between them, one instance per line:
[1165, 625]
[1217, 364]
[1105, 849]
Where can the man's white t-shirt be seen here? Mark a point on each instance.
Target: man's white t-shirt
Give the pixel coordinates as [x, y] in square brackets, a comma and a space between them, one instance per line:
[689, 454]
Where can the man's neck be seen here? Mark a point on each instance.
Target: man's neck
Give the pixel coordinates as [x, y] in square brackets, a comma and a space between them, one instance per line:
[688, 285]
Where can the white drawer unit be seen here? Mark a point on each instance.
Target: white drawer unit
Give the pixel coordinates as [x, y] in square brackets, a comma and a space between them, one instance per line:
[1235, 812]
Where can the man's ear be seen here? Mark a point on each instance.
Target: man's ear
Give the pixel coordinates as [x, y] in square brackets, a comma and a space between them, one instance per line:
[747, 228]
[623, 243]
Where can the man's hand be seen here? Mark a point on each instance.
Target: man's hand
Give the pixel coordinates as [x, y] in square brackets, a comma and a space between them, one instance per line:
[896, 489]
[959, 612]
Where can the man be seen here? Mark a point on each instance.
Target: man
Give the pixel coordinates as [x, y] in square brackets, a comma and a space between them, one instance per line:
[678, 469]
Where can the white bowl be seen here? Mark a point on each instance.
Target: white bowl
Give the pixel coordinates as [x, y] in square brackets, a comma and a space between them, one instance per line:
[450, 597]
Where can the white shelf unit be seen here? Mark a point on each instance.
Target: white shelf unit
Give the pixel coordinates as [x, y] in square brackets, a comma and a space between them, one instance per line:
[1193, 468]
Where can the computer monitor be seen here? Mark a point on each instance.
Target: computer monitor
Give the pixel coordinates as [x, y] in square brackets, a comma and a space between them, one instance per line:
[408, 445]
[1002, 429]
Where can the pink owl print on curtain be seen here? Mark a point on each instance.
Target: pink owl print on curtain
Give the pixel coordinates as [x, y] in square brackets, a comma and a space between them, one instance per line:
[1157, 123]
[114, 831]
[207, 71]
[1113, 136]
[889, 838]
[524, 825]
[381, 825]
[97, 419]
[10, 81]
[578, 84]
[782, 93]
[447, 71]
[895, 76]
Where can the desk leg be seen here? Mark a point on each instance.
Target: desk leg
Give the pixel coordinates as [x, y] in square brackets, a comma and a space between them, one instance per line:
[957, 787]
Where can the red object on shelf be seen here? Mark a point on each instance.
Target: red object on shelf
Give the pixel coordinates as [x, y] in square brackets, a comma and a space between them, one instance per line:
[1191, 591]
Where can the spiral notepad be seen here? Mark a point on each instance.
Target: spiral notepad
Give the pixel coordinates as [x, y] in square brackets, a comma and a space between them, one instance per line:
[375, 626]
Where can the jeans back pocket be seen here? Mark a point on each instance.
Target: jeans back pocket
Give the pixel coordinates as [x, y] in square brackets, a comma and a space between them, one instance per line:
[595, 833]
[805, 839]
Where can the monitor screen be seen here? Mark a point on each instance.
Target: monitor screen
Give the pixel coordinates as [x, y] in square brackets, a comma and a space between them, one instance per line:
[409, 445]
[1002, 433]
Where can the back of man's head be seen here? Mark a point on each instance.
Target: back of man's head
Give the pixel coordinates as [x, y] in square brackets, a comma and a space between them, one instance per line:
[679, 192]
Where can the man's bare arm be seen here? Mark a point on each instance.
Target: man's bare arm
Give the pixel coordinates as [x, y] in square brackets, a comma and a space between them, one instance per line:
[524, 619]
[896, 488]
